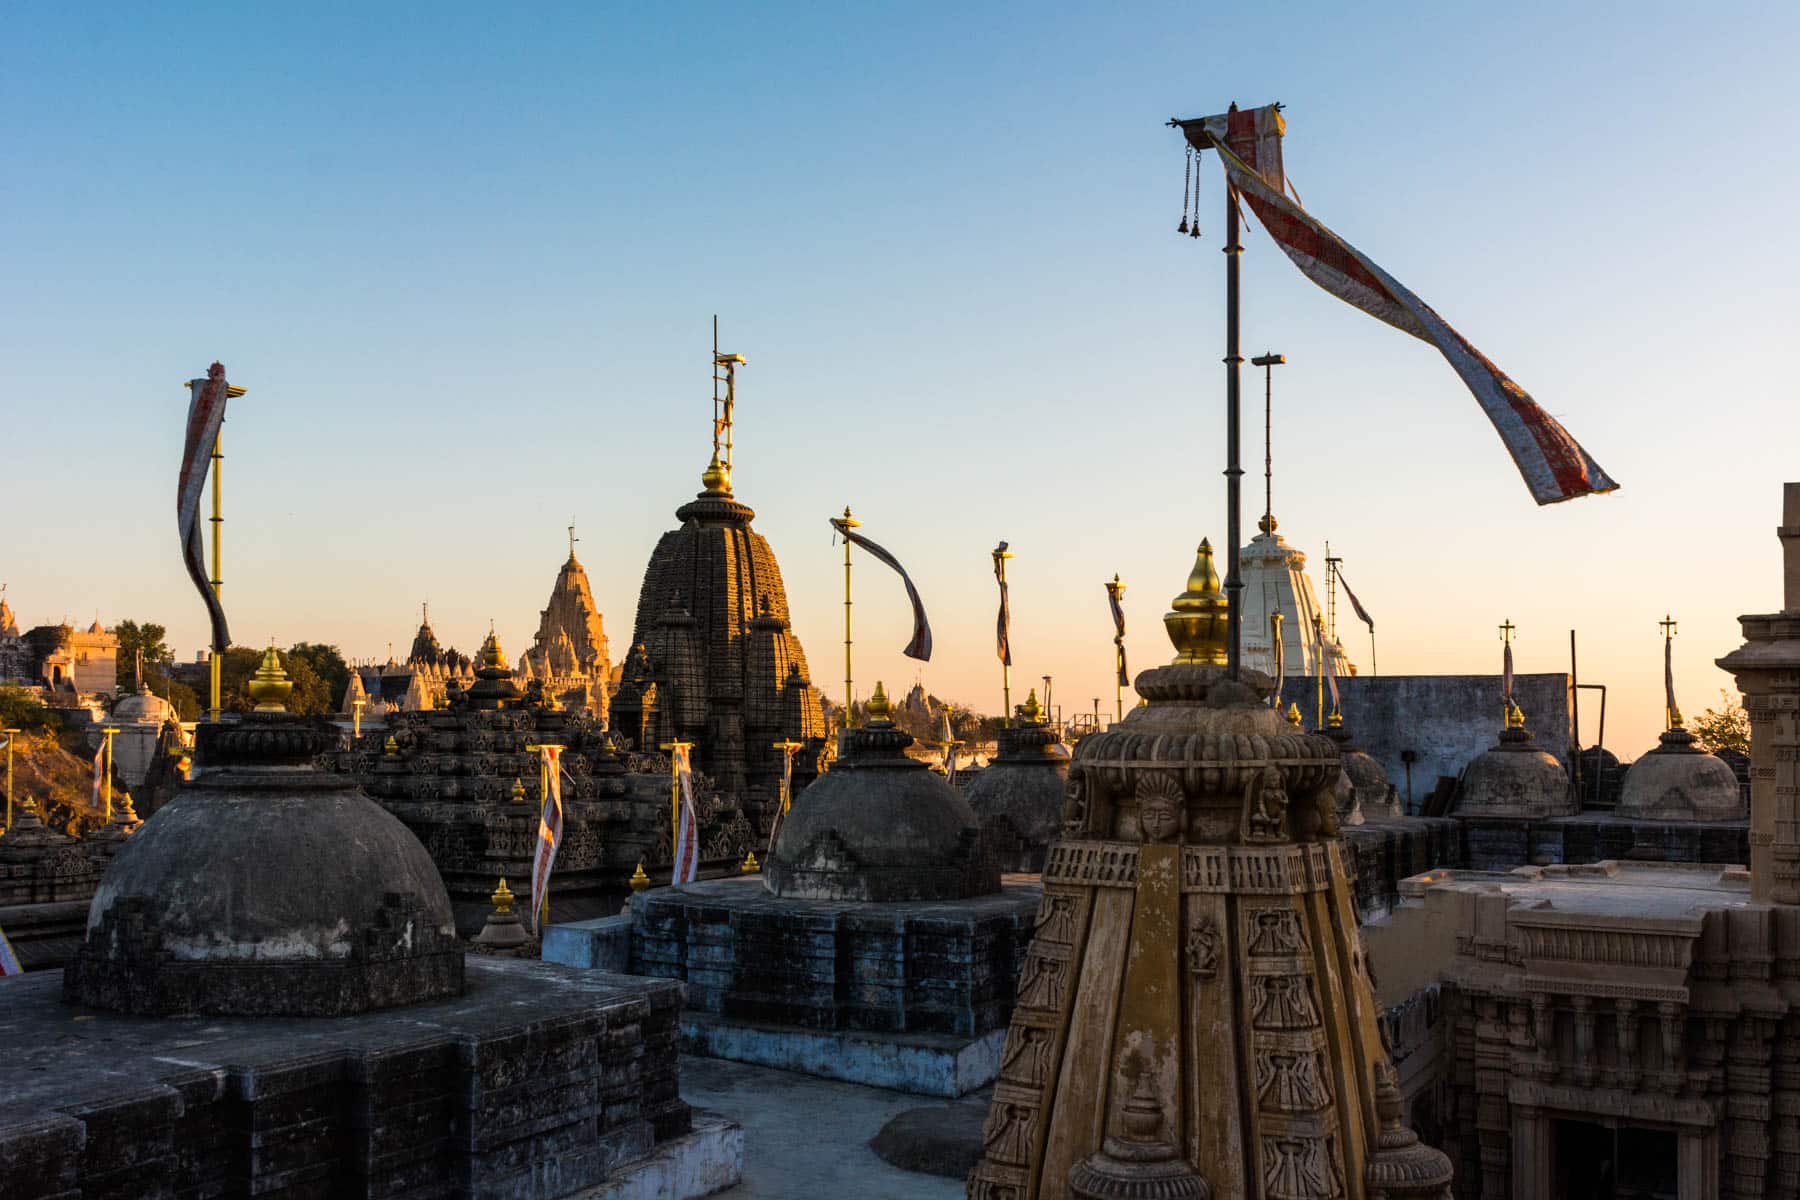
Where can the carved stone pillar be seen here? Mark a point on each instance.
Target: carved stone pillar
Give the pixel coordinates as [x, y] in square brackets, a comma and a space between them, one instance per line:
[1626, 1016]
[1534, 1151]
[1584, 1039]
[1697, 1166]
[1767, 668]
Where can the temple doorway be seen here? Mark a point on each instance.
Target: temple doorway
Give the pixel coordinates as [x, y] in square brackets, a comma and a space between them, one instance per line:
[1606, 1162]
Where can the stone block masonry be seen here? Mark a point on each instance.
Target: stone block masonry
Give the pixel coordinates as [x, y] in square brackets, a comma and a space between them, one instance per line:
[538, 1081]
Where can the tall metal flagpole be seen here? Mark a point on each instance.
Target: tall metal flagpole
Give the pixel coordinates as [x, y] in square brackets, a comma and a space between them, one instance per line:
[1000, 557]
[849, 696]
[1268, 361]
[1234, 584]
[1671, 713]
[108, 732]
[1331, 565]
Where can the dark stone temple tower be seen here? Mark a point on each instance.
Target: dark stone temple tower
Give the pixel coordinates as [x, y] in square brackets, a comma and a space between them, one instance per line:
[713, 659]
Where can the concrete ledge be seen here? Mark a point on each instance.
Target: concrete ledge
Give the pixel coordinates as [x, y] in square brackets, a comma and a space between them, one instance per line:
[709, 1159]
[602, 944]
[924, 1064]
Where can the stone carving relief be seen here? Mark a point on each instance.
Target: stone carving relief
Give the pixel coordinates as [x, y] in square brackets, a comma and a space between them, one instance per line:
[1265, 807]
[1202, 950]
[1159, 801]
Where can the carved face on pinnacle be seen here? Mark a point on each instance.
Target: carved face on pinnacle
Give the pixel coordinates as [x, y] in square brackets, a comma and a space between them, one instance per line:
[1159, 808]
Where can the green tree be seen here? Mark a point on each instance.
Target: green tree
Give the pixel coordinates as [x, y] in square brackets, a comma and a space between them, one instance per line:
[1724, 728]
[20, 710]
[147, 637]
[327, 662]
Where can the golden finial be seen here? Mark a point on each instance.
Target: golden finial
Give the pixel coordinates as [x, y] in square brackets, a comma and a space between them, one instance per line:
[1515, 718]
[518, 791]
[1031, 711]
[879, 710]
[270, 685]
[1335, 720]
[1196, 623]
[639, 880]
[716, 477]
[750, 866]
[1293, 715]
[392, 747]
[502, 898]
[491, 656]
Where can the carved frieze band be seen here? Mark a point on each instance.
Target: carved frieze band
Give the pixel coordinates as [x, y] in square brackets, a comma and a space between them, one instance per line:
[1277, 870]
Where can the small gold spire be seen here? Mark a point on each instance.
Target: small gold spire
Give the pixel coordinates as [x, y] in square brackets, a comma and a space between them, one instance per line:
[639, 880]
[270, 685]
[879, 709]
[491, 656]
[1031, 711]
[502, 898]
[716, 477]
[1515, 718]
[1196, 623]
[750, 866]
[518, 791]
[1293, 715]
[392, 747]
[1335, 720]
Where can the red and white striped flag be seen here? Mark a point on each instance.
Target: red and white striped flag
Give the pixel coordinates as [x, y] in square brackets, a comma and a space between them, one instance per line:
[550, 832]
[920, 645]
[687, 838]
[9, 962]
[99, 772]
[1553, 464]
[206, 413]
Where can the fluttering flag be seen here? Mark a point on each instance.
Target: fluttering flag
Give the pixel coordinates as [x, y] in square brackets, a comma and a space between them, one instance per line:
[1003, 624]
[920, 646]
[1673, 716]
[1361, 612]
[1553, 464]
[1506, 679]
[206, 413]
[550, 831]
[99, 772]
[949, 751]
[1280, 659]
[1330, 663]
[9, 962]
[687, 839]
[787, 791]
[1114, 597]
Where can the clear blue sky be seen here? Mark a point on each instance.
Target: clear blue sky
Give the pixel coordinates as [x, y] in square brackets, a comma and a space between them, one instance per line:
[465, 256]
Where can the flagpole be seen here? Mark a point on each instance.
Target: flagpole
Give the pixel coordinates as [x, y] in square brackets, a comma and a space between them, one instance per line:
[1116, 590]
[1000, 557]
[849, 696]
[1506, 632]
[107, 733]
[218, 580]
[1234, 584]
[542, 914]
[1319, 665]
[675, 797]
[1671, 712]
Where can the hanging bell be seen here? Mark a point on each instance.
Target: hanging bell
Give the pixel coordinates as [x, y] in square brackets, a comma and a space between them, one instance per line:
[1183, 227]
[1195, 231]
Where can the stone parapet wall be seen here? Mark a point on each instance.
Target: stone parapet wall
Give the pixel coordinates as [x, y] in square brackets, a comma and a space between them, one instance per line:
[1499, 845]
[1445, 720]
[1386, 850]
[918, 967]
[537, 1082]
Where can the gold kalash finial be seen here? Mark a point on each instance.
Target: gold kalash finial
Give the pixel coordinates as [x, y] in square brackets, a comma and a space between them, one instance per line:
[879, 709]
[502, 898]
[270, 685]
[717, 476]
[1197, 621]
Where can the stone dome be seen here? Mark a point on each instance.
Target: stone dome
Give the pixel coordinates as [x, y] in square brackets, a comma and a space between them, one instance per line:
[1018, 798]
[143, 708]
[880, 826]
[1679, 782]
[267, 887]
[1515, 779]
[1365, 790]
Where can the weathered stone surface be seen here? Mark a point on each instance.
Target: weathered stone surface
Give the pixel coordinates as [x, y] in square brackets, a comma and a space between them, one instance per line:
[1514, 780]
[1017, 798]
[921, 967]
[880, 827]
[537, 1081]
[267, 887]
[1677, 782]
[944, 1139]
[1194, 1014]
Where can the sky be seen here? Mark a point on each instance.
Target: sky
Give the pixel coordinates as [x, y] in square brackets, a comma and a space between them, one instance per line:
[465, 259]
